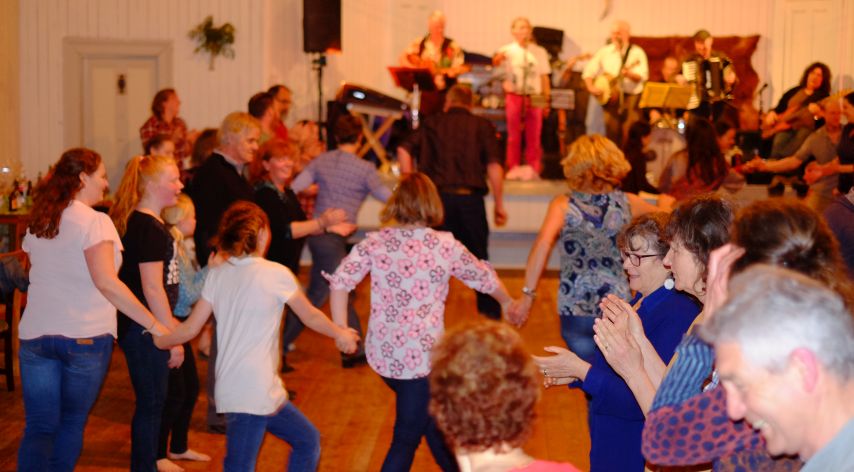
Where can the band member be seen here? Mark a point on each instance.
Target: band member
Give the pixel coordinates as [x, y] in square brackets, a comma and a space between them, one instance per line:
[617, 72]
[526, 95]
[713, 74]
[441, 55]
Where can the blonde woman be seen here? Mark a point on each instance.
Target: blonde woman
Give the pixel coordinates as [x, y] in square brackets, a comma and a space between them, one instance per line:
[150, 270]
[586, 220]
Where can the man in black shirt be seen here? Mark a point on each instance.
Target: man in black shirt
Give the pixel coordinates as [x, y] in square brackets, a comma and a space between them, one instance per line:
[219, 182]
[459, 152]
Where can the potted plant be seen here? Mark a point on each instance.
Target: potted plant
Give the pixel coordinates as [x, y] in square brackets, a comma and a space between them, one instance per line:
[214, 41]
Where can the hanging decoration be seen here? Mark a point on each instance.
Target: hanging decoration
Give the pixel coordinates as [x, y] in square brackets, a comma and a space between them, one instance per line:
[214, 41]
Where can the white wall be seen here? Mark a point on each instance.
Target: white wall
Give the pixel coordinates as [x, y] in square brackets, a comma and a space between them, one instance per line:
[207, 95]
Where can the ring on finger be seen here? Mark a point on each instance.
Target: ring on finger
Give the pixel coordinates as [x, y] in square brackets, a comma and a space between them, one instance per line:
[545, 372]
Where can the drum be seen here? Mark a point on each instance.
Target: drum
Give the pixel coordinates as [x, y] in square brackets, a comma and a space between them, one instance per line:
[665, 141]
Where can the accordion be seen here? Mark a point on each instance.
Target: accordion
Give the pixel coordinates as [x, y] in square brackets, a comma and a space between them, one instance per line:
[708, 78]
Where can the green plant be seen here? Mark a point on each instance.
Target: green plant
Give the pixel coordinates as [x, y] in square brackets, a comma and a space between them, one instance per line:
[214, 41]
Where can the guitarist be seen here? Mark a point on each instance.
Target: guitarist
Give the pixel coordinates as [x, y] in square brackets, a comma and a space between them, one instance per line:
[626, 65]
[441, 55]
[792, 120]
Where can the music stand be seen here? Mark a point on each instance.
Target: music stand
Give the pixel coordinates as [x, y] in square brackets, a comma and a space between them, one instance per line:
[407, 77]
[665, 95]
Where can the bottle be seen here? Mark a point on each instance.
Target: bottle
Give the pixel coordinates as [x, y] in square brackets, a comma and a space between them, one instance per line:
[13, 197]
[28, 194]
[22, 196]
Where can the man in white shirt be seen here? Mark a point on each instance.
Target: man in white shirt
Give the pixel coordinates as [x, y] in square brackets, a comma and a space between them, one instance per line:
[626, 64]
[784, 348]
[526, 95]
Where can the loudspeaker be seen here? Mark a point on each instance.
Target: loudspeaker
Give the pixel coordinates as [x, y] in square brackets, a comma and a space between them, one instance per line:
[321, 25]
[549, 39]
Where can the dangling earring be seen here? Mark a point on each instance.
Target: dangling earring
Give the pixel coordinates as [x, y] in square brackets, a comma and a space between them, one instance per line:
[669, 283]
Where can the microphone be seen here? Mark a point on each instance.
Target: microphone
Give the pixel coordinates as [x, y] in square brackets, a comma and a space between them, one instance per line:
[764, 86]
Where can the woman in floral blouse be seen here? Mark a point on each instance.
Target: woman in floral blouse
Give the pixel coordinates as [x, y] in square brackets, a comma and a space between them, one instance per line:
[410, 265]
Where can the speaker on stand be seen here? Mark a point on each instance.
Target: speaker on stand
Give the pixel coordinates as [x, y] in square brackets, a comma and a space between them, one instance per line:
[321, 32]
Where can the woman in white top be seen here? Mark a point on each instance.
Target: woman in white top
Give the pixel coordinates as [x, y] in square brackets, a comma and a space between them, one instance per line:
[69, 324]
[248, 294]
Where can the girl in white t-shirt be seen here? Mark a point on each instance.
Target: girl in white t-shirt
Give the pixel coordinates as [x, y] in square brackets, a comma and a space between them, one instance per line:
[247, 293]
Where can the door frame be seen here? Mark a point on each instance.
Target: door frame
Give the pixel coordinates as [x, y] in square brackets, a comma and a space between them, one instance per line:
[75, 53]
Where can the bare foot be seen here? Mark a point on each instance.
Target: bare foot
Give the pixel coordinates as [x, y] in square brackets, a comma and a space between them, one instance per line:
[189, 455]
[165, 465]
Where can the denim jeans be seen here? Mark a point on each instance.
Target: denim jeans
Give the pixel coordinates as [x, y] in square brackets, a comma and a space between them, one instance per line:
[411, 422]
[245, 432]
[577, 333]
[149, 375]
[61, 378]
[327, 251]
[178, 408]
[465, 218]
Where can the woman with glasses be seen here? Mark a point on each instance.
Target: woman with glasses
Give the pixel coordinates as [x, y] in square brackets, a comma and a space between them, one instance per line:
[616, 412]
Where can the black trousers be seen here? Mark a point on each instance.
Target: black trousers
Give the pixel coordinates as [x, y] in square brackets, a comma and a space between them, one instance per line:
[178, 408]
[465, 218]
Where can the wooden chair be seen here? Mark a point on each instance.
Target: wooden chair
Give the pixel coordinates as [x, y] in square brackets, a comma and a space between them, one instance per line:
[9, 324]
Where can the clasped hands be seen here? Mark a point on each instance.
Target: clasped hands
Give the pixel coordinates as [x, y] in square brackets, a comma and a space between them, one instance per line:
[617, 333]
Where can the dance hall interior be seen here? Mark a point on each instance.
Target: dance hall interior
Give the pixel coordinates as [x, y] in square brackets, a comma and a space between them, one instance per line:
[427, 235]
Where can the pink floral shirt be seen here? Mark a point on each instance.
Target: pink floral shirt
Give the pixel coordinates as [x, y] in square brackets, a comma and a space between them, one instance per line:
[410, 269]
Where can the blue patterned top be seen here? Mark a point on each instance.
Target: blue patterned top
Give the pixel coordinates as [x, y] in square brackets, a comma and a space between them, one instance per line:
[590, 263]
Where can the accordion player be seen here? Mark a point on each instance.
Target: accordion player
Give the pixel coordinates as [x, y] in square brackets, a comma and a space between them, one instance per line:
[711, 73]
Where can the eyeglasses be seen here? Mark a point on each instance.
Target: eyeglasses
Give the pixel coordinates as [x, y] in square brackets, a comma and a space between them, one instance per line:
[635, 259]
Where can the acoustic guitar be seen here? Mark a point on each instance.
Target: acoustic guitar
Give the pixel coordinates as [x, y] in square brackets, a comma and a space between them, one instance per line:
[610, 85]
[793, 114]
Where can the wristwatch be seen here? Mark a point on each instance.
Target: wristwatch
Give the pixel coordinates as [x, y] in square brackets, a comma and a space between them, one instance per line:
[529, 292]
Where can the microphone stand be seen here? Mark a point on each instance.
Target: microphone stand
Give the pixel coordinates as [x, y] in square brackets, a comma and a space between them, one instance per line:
[317, 64]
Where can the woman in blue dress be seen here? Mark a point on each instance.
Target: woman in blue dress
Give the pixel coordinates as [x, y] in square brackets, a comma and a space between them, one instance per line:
[616, 416]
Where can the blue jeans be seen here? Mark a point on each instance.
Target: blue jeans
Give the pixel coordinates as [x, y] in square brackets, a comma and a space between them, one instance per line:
[411, 422]
[245, 432]
[149, 375]
[577, 333]
[61, 378]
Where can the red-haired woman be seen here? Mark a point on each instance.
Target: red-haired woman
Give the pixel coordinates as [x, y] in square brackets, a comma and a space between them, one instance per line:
[66, 347]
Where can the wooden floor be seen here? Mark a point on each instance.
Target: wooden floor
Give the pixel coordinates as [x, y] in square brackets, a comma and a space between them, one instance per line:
[352, 408]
